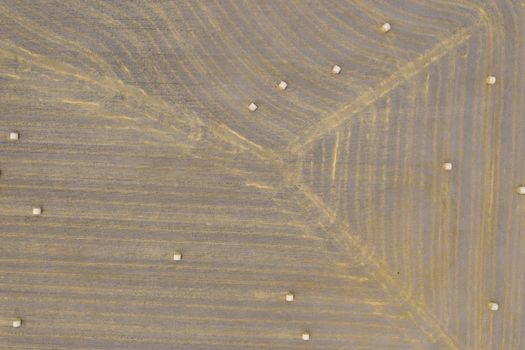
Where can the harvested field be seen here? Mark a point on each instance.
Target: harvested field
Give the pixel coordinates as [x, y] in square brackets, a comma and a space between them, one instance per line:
[262, 174]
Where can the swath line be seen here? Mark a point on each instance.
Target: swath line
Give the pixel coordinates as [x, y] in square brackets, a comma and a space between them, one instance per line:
[370, 96]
